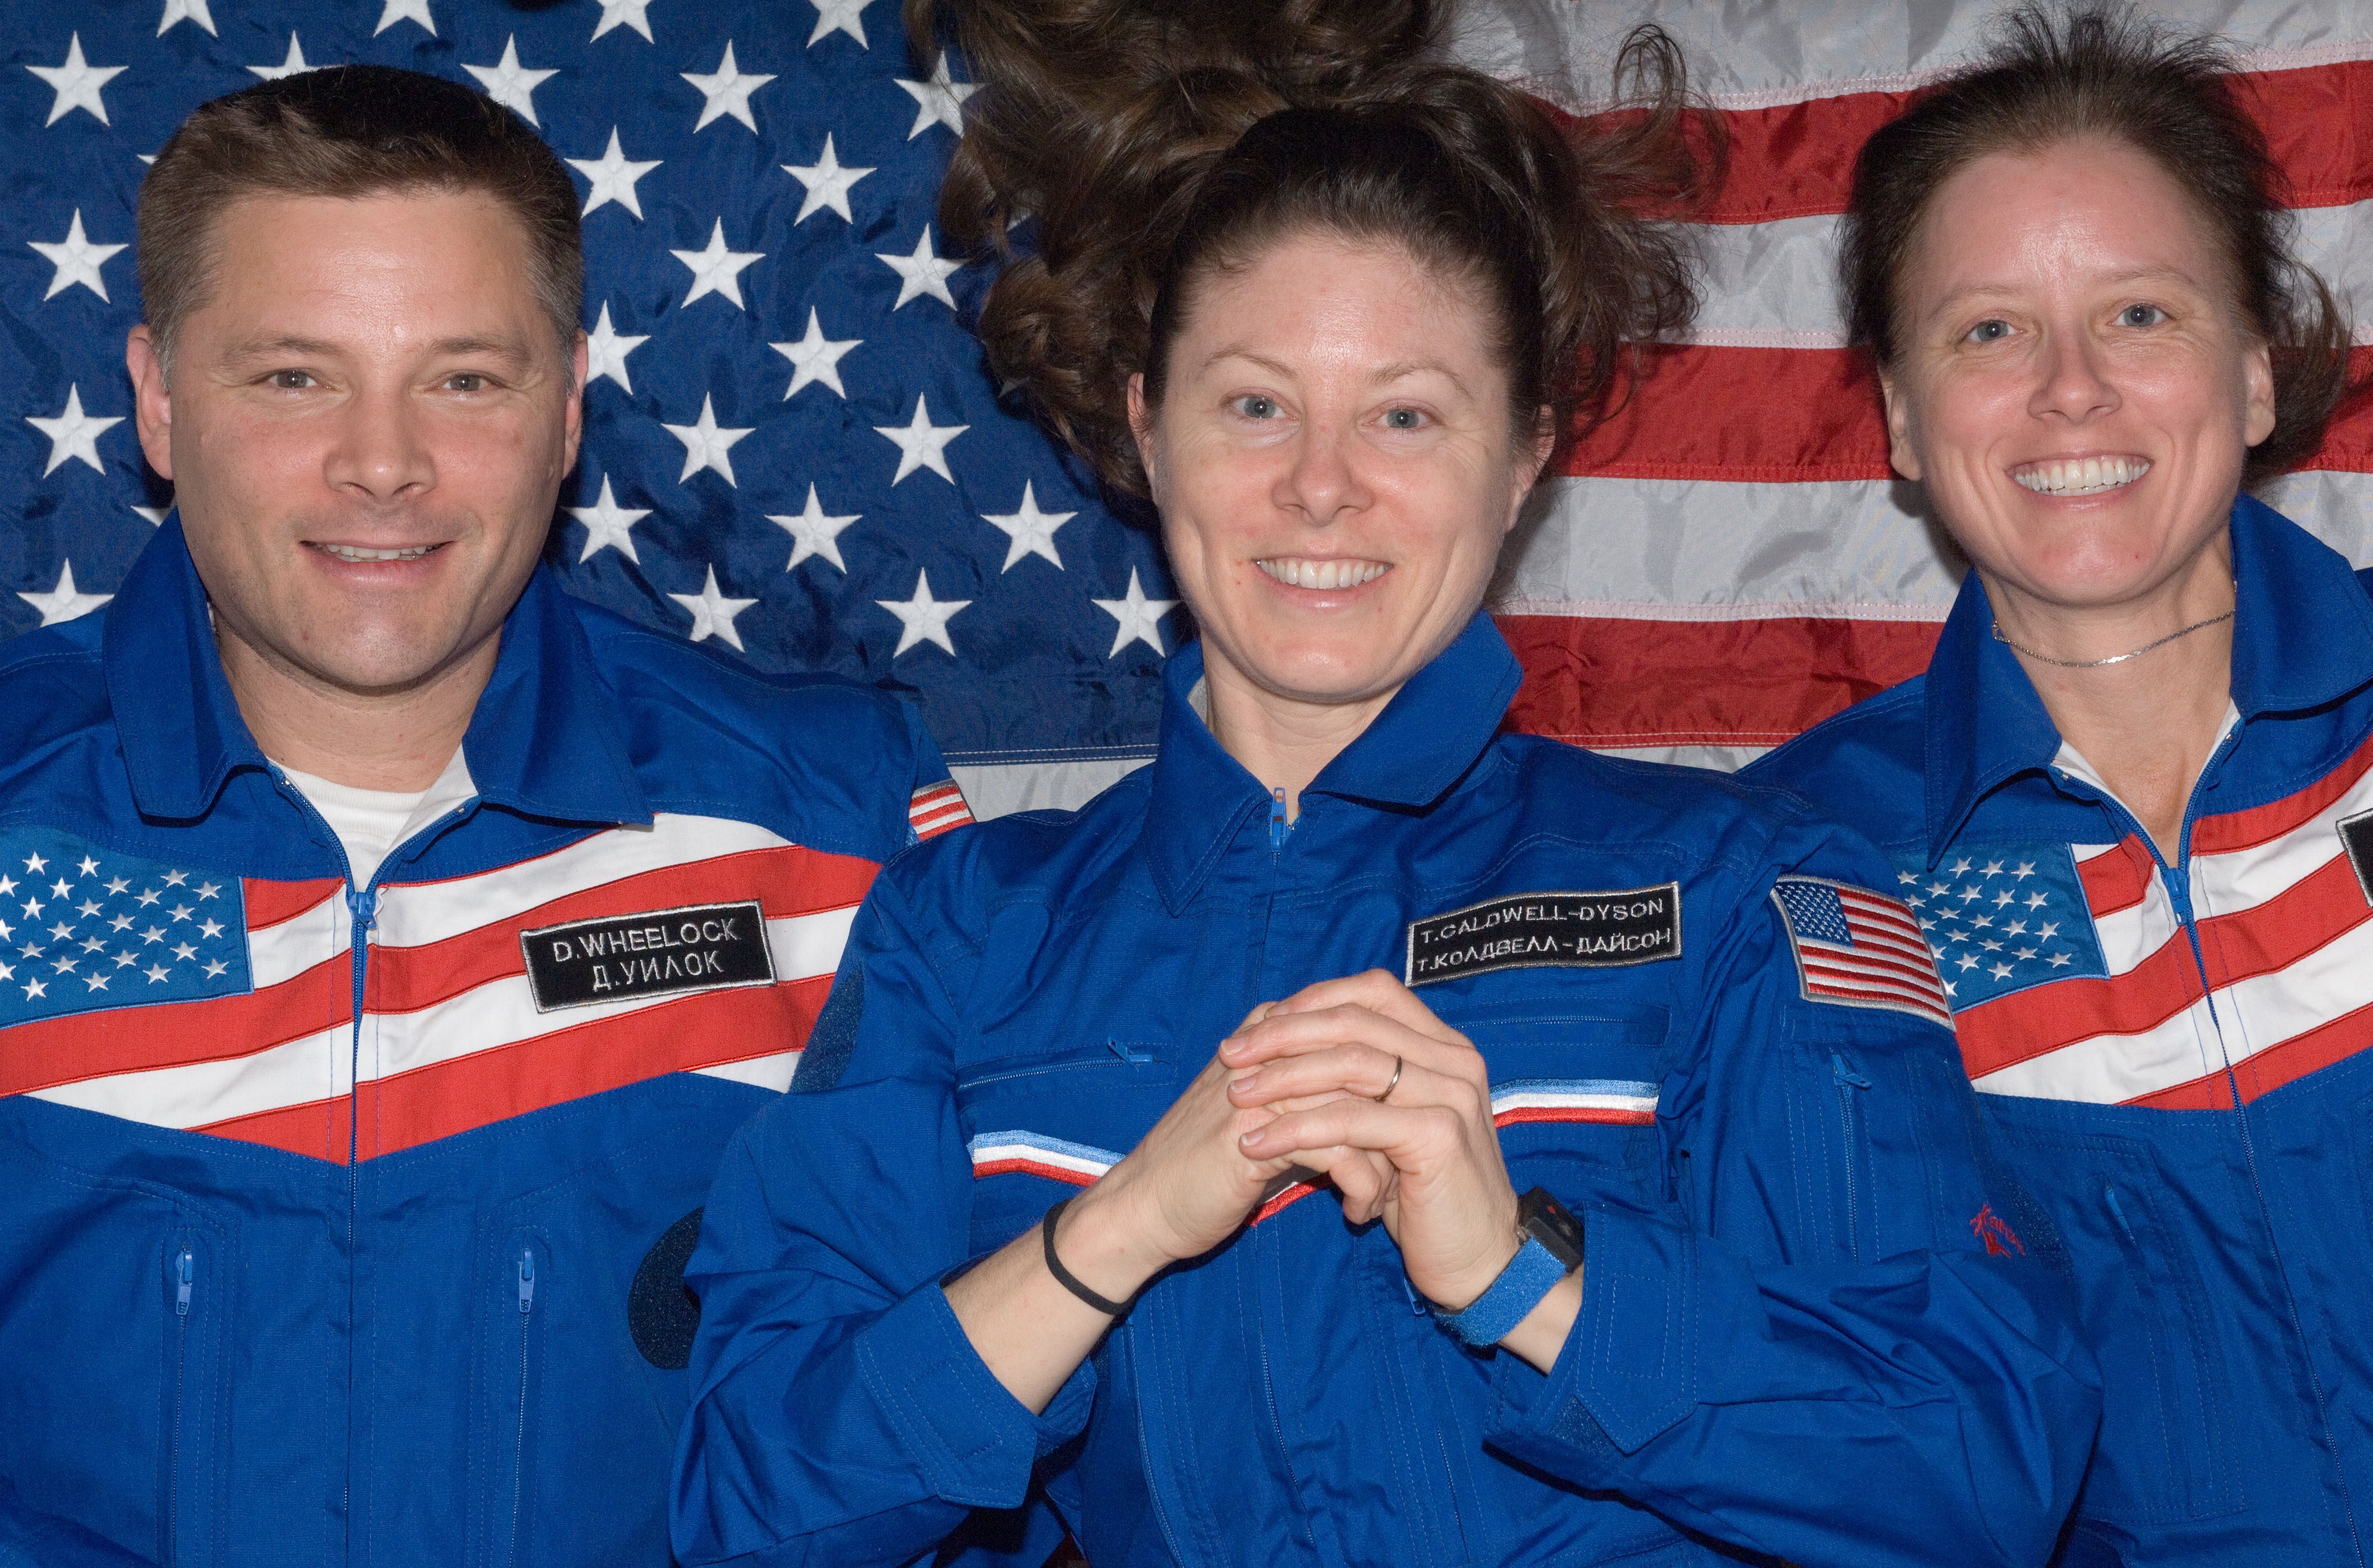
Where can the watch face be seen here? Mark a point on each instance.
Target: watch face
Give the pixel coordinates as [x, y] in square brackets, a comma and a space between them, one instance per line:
[1546, 1220]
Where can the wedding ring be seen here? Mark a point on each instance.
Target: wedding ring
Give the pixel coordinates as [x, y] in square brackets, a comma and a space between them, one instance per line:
[1393, 1083]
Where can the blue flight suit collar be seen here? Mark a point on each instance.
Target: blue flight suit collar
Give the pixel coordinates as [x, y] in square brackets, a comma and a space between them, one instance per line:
[1424, 742]
[540, 742]
[2302, 637]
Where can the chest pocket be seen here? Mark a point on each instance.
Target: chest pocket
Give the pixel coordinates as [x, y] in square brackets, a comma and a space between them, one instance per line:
[1037, 1126]
[1574, 1093]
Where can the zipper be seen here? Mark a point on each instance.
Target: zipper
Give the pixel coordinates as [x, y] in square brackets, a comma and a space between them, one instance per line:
[1851, 1086]
[185, 1274]
[518, 1449]
[1277, 826]
[2178, 890]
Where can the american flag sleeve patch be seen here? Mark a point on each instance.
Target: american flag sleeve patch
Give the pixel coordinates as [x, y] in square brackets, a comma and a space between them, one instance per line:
[937, 808]
[1857, 948]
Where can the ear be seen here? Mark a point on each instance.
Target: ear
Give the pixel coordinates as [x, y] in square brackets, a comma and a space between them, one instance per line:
[1140, 424]
[1899, 450]
[152, 403]
[1533, 461]
[2258, 384]
[572, 414]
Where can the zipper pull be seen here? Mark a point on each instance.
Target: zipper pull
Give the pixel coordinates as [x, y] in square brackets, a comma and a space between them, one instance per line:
[527, 1280]
[2117, 1212]
[363, 905]
[185, 1269]
[1846, 1074]
[1278, 827]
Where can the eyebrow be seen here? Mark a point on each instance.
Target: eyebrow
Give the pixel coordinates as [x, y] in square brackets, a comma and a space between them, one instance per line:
[1398, 370]
[1961, 297]
[509, 352]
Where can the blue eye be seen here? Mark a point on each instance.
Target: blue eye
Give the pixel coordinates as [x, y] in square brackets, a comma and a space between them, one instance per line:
[291, 380]
[2141, 316]
[1254, 406]
[1989, 331]
[1404, 419]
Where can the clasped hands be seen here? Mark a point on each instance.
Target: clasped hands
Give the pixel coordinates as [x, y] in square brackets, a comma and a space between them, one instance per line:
[1296, 1088]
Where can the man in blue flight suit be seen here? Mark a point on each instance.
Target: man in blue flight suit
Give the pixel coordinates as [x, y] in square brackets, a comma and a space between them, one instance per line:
[392, 941]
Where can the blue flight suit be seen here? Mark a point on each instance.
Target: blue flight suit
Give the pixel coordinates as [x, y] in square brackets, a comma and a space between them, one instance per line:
[1792, 1341]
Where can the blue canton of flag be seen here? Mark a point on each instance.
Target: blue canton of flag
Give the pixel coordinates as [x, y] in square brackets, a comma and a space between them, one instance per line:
[792, 448]
[2001, 918]
[82, 928]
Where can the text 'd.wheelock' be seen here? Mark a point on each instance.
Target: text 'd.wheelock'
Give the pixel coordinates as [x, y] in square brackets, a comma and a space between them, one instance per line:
[656, 952]
[1638, 925]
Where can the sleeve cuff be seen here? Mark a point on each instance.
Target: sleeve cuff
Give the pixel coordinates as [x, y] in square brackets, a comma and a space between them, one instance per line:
[976, 1442]
[1629, 1369]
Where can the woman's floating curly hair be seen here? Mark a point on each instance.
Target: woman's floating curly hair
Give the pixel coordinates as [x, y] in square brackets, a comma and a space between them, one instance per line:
[2095, 70]
[1151, 143]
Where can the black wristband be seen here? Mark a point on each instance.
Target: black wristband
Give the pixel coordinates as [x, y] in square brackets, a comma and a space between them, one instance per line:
[1064, 1276]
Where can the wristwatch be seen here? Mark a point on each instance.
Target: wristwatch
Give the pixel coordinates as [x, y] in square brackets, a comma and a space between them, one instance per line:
[1552, 1250]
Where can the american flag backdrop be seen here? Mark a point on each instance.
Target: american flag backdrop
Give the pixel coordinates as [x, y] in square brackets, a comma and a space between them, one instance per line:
[792, 446]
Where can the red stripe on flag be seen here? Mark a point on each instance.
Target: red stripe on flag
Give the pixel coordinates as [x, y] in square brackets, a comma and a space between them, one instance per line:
[269, 903]
[2117, 879]
[495, 1084]
[1292, 1195]
[317, 1129]
[1796, 159]
[788, 881]
[1600, 682]
[2272, 1068]
[1604, 1115]
[1034, 1168]
[2262, 824]
[936, 808]
[49, 1051]
[1784, 416]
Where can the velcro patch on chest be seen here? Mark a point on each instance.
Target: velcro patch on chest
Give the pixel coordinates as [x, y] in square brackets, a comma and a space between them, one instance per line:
[658, 953]
[1638, 925]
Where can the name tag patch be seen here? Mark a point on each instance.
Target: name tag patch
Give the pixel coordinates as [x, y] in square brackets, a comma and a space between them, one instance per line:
[620, 956]
[1641, 925]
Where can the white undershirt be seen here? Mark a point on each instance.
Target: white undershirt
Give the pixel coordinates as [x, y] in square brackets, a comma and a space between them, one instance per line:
[369, 822]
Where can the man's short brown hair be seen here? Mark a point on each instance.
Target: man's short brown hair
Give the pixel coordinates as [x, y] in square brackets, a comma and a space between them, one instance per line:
[349, 131]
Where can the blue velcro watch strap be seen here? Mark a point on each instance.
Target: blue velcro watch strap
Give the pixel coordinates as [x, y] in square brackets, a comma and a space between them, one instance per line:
[1531, 1274]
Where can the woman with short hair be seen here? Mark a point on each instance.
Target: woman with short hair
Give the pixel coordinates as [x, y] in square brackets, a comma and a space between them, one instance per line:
[2128, 800]
[1582, 1173]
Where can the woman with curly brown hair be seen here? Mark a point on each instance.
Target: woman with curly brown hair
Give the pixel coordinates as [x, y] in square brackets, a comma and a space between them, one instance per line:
[1362, 1136]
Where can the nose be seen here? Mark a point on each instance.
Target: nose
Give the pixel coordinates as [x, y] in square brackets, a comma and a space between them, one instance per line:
[381, 453]
[2072, 382]
[1323, 483]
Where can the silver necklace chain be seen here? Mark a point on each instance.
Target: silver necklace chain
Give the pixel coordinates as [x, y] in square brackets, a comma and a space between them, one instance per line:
[2114, 659]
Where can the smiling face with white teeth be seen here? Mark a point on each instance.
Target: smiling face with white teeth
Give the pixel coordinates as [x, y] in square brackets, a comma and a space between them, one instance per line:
[1336, 467]
[366, 421]
[2077, 391]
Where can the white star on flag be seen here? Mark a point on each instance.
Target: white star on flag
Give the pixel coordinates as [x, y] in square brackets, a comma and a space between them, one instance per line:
[77, 83]
[922, 445]
[925, 272]
[938, 101]
[922, 618]
[712, 612]
[186, 11]
[606, 351]
[406, 11]
[1139, 616]
[509, 84]
[153, 515]
[705, 445]
[828, 182]
[607, 523]
[840, 15]
[73, 434]
[816, 357]
[726, 90]
[812, 533]
[624, 13]
[614, 176]
[1032, 532]
[78, 261]
[62, 602]
[717, 270]
[295, 66]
